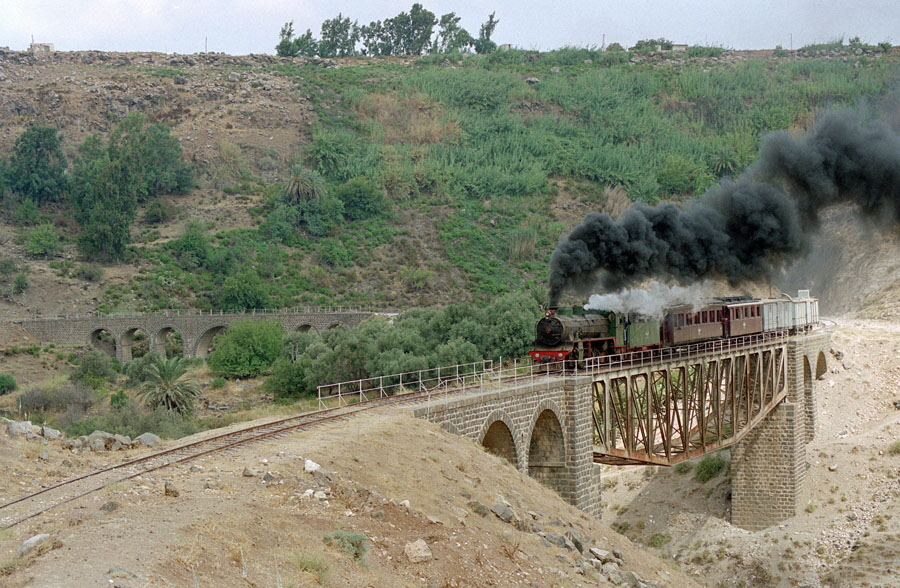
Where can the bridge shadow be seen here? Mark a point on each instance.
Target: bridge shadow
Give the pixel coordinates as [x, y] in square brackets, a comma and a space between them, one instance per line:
[647, 502]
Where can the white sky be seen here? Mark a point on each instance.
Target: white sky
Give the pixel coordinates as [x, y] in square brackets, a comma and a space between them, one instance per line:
[240, 27]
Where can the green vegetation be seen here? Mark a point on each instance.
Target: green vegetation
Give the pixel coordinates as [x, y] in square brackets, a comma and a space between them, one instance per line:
[42, 241]
[7, 384]
[166, 385]
[94, 370]
[709, 467]
[353, 543]
[409, 33]
[659, 540]
[137, 162]
[248, 348]
[894, 448]
[313, 563]
[36, 170]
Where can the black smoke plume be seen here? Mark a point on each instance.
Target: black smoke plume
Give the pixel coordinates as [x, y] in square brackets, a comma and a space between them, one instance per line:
[743, 229]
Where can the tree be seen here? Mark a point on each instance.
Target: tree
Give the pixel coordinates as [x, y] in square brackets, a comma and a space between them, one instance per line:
[109, 180]
[104, 200]
[339, 37]
[451, 38]
[305, 184]
[411, 32]
[247, 348]
[483, 43]
[375, 40]
[167, 386]
[37, 167]
[285, 46]
[152, 155]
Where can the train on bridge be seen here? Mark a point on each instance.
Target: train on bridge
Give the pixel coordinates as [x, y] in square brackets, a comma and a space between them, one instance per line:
[573, 335]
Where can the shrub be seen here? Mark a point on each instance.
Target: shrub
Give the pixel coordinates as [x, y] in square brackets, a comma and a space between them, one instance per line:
[7, 384]
[218, 382]
[130, 419]
[288, 379]
[354, 544]
[27, 212]
[684, 467]
[709, 467]
[19, 284]
[7, 265]
[244, 291]
[246, 348]
[137, 370]
[89, 272]
[42, 241]
[659, 540]
[309, 562]
[894, 448]
[159, 211]
[361, 198]
[95, 369]
[57, 398]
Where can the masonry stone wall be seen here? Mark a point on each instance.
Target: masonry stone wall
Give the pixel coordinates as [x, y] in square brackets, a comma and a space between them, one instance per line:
[551, 408]
[769, 465]
[196, 330]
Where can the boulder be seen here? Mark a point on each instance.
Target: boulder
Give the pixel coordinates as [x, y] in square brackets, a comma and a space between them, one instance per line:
[148, 439]
[31, 544]
[51, 434]
[417, 551]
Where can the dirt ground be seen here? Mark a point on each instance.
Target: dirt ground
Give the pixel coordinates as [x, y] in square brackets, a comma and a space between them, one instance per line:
[231, 529]
[846, 535]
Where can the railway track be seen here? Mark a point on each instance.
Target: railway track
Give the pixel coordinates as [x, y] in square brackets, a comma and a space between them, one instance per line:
[27, 507]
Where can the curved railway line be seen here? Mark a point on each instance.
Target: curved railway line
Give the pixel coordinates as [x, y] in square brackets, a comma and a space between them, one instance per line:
[27, 507]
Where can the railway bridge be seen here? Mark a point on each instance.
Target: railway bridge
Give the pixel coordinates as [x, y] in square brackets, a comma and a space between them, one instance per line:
[755, 395]
[117, 334]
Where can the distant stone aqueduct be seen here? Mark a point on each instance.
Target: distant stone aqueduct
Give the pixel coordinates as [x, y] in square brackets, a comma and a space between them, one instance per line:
[117, 334]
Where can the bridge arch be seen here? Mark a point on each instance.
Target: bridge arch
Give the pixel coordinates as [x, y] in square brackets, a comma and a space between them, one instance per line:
[809, 406]
[104, 340]
[168, 341]
[821, 365]
[132, 340]
[305, 328]
[204, 342]
[497, 437]
[547, 447]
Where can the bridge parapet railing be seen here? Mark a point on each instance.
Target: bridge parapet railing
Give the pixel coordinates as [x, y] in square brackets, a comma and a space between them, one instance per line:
[191, 312]
[480, 375]
[425, 380]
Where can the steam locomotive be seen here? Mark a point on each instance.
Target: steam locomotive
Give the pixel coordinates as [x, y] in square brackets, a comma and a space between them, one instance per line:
[573, 335]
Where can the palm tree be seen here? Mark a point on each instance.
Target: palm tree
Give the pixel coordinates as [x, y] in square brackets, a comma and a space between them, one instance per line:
[305, 184]
[166, 385]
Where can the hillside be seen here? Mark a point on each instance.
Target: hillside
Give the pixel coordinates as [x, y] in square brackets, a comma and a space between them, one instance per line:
[244, 518]
[483, 163]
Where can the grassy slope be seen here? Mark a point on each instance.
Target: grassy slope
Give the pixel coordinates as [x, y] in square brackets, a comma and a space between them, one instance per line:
[484, 163]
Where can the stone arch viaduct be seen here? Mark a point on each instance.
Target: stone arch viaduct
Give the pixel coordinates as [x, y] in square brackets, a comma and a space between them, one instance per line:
[547, 428]
[117, 334]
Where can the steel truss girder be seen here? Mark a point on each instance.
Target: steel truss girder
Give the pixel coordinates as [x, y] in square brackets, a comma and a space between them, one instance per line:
[670, 412]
